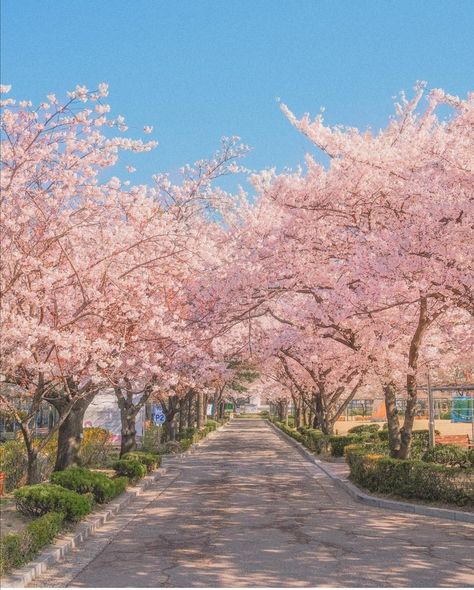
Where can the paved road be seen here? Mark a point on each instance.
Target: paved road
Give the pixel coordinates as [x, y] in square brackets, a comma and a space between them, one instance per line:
[247, 510]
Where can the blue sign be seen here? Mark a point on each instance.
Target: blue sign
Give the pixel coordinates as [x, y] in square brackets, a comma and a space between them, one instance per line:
[158, 416]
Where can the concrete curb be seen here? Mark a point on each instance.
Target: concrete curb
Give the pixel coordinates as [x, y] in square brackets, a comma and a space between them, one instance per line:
[62, 546]
[360, 496]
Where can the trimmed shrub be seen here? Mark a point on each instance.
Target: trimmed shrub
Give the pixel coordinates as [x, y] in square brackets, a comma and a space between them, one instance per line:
[411, 479]
[470, 456]
[150, 460]
[451, 455]
[364, 428]
[83, 481]
[18, 549]
[186, 433]
[43, 529]
[338, 443]
[39, 499]
[14, 550]
[383, 435]
[130, 468]
[316, 441]
[290, 431]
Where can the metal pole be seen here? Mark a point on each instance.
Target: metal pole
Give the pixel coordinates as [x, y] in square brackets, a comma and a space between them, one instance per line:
[472, 417]
[431, 425]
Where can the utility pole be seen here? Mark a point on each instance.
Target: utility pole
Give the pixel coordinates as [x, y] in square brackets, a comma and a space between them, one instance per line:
[431, 415]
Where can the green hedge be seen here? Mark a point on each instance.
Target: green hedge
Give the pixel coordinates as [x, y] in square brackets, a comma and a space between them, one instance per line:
[290, 431]
[410, 478]
[338, 443]
[130, 468]
[150, 460]
[452, 455]
[39, 499]
[186, 433]
[315, 440]
[83, 481]
[364, 429]
[16, 549]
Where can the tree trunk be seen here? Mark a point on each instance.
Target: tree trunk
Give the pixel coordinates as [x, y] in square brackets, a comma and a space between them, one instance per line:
[70, 432]
[204, 409]
[32, 471]
[190, 410]
[128, 432]
[182, 415]
[170, 409]
[394, 439]
[32, 474]
[215, 403]
[199, 405]
[415, 345]
[297, 407]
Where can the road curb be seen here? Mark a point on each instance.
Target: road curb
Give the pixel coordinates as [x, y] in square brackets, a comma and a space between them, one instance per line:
[360, 496]
[62, 546]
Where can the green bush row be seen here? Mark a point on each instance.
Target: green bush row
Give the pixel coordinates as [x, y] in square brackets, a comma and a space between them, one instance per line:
[84, 481]
[150, 460]
[411, 478]
[36, 500]
[193, 435]
[377, 440]
[130, 468]
[290, 431]
[451, 455]
[16, 549]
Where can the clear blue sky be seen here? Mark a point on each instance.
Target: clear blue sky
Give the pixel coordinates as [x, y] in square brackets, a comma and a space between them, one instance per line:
[200, 69]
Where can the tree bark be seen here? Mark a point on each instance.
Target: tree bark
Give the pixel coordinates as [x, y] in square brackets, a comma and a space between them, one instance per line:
[32, 471]
[182, 414]
[190, 404]
[297, 406]
[128, 433]
[204, 409]
[394, 439]
[199, 405]
[169, 410]
[415, 345]
[70, 432]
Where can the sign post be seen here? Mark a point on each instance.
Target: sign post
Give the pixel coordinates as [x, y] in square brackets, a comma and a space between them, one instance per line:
[431, 415]
[158, 416]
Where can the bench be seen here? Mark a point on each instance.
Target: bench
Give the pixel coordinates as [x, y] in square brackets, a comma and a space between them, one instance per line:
[461, 440]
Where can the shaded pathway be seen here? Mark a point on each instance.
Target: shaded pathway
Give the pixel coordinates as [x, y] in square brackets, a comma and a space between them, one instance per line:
[247, 510]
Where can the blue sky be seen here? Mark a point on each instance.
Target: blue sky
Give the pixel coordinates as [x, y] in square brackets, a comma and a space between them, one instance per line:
[200, 69]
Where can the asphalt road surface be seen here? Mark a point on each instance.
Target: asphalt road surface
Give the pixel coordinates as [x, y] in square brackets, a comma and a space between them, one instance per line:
[246, 509]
